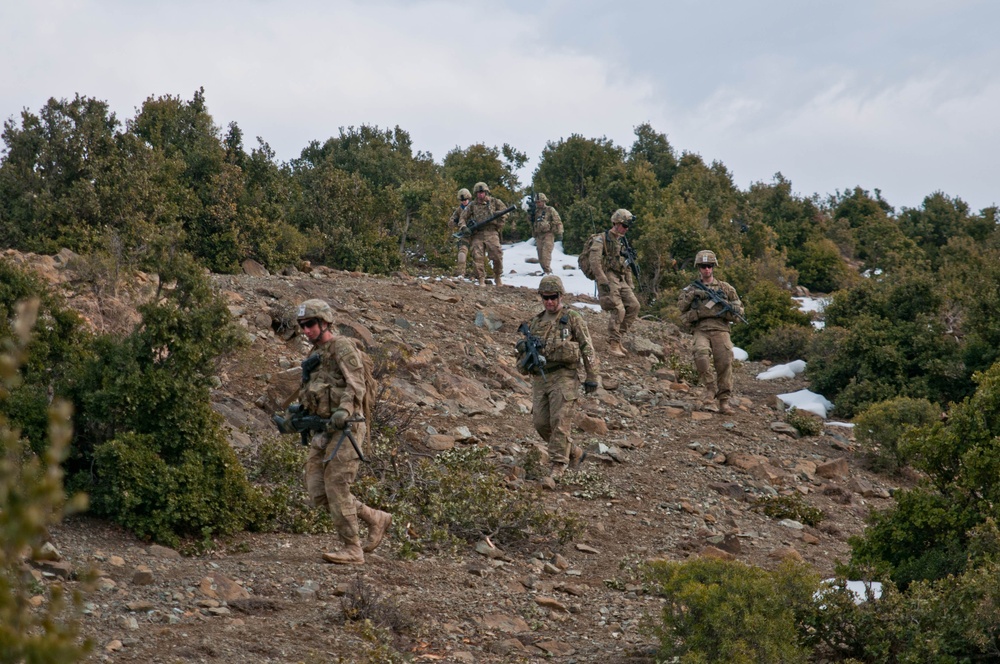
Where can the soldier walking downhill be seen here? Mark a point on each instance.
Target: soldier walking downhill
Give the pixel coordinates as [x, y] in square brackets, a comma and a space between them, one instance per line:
[464, 197]
[709, 322]
[486, 239]
[565, 342]
[614, 280]
[548, 228]
[339, 389]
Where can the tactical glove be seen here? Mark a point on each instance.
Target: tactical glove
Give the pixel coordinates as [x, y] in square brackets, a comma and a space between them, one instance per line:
[604, 289]
[589, 386]
[339, 418]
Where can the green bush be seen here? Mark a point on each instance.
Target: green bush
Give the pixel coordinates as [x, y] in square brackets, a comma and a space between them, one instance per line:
[31, 500]
[881, 427]
[789, 507]
[804, 422]
[149, 449]
[717, 611]
[782, 344]
[768, 307]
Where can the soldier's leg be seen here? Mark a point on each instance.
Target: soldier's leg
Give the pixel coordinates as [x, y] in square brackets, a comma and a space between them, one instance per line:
[616, 311]
[338, 476]
[540, 416]
[722, 354]
[703, 364]
[476, 249]
[315, 485]
[496, 256]
[631, 305]
[463, 253]
[562, 406]
[545, 243]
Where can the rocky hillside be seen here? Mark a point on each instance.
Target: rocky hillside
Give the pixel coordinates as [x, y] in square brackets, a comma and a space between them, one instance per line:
[667, 481]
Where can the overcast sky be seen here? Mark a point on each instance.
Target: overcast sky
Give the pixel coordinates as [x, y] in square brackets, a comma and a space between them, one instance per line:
[896, 95]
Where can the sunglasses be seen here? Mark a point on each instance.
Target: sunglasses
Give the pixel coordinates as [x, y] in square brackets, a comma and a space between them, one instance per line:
[550, 296]
[304, 324]
[706, 265]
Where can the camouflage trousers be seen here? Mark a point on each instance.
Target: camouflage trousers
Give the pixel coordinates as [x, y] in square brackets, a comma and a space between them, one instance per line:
[714, 347]
[329, 484]
[544, 244]
[553, 404]
[623, 306]
[463, 252]
[487, 242]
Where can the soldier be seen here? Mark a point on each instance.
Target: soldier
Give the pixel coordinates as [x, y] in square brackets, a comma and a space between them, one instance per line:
[463, 242]
[339, 389]
[547, 229]
[488, 237]
[564, 342]
[614, 280]
[709, 322]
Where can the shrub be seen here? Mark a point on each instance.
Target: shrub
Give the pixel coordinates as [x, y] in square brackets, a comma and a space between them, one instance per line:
[768, 307]
[804, 422]
[789, 507]
[782, 344]
[881, 427]
[717, 611]
[31, 500]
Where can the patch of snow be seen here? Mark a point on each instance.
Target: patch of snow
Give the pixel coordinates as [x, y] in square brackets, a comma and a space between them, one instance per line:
[790, 370]
[808, 401]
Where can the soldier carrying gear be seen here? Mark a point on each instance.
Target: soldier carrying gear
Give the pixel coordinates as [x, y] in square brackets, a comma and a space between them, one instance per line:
[341, 389]
[708, 307]
[563, 334]
[547, 228]
[486, 239]
[464, 197]
[614, 277]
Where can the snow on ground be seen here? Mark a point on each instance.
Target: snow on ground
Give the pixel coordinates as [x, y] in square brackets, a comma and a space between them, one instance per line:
[808, 401]
[813, 304]
[790, 370]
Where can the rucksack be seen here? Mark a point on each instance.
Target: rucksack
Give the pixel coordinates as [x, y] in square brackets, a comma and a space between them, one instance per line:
[583, 262]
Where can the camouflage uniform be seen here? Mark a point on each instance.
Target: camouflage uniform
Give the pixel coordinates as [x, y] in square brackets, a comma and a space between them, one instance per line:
[339, 384]
[487, 239]
[712, 345]
[566, 342]
[548, 226]
[463, 242]
[618, 297]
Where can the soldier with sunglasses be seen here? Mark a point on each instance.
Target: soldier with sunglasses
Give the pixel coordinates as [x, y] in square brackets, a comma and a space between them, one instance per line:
[564, 342]
[615, 284]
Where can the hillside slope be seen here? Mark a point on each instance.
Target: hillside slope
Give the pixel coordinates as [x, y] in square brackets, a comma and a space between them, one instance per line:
[671, 482]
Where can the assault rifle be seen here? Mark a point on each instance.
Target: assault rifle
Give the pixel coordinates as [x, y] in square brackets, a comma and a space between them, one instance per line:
[717, 297]
[472, 226]
[301, 422]
[631, 257]
[530, 347]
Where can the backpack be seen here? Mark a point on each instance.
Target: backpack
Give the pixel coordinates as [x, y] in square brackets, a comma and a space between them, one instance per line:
[583, 262]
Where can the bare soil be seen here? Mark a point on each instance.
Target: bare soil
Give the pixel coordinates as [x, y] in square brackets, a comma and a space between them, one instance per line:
[683, 485]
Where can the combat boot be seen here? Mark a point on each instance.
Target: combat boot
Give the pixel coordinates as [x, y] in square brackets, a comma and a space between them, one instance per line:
[577, 455]
[496, 281]
[351, 554]
[724, 407]
[378, 522]
[482, 281]
[615, 348]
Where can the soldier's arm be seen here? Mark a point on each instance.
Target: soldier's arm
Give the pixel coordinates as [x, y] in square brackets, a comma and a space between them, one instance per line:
[351, 365]
[591, 365]
[500, 205]
[734, 300]
[686, 299]
[596, 253]
[557, 225]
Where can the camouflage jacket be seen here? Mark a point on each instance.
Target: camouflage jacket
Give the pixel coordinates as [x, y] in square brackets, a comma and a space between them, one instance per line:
[547, 221]
[607, 261]
[699, 312]
[566, 341]
[477, 211]
[338, 382]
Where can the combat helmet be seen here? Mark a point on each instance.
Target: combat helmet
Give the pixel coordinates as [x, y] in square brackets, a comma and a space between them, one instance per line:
[314, 309]
[706, 257]
[550, 283]
[464, 195]
[622, 216]
[542, 197]
[481, 186]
